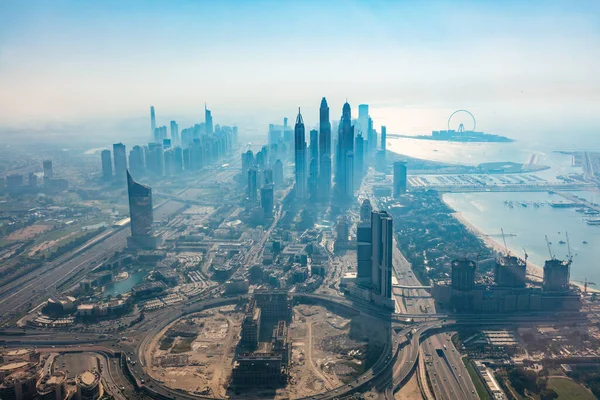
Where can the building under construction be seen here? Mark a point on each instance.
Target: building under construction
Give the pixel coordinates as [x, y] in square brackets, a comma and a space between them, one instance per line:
[263, 361]
[511, 293]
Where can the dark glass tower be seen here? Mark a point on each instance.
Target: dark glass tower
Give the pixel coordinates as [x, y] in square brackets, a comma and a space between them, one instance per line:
[399, 178]
[344, 154]
[300, 157]
[120, 158]
[324, 151]
[382, 232]
[106, 165]
[141, 214]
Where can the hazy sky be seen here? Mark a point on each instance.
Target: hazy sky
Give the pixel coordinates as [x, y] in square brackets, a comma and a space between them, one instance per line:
[530, 62]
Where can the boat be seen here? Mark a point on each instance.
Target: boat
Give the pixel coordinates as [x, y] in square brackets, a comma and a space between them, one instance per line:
[585, 242]
[562, 242]
[593, 222]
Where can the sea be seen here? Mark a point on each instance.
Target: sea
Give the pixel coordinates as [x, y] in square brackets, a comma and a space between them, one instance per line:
[531, 218]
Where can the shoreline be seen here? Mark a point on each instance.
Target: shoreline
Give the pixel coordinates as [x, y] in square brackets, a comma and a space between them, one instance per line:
[534, 271]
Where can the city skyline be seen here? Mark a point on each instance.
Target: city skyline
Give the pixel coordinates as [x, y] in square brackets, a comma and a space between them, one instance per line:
[510, 73]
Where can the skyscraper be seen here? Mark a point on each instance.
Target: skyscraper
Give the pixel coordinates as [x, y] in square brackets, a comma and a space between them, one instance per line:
[141, 214]
[106, 165]
[399, 178]
[382, 232]
[313, 169]
[175, 134]
[363, 120]
[365, 211]
[300, 157]
[324, 151]
[120, 161]
[136, 161]
[278, 173]
[152, 121]
[371, 139]
[383, 137]
[359, 159]
[252, 184]
[208, 121]
[48, 171]
[345, 146]
[266, 200]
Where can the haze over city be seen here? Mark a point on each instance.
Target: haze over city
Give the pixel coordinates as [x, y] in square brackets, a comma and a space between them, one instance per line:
[325, 200]
[524, 68]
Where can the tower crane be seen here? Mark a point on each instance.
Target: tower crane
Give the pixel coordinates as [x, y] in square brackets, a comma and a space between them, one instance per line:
[504, 240]
[526, 255]
[549, 249]
[586, 283]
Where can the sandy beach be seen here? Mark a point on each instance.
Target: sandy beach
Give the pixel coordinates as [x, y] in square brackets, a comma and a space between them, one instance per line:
[534, 272]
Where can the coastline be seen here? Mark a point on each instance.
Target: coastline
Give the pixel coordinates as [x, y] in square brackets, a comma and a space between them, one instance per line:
[534, 271]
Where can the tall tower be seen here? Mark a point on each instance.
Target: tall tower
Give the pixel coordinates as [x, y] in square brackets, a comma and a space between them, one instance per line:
[382, 233]
[266, 200]
[175, 134]
[141, 214]
[363, 122]
[344, 147]
[324, 151]
[300, 157]
[383, 137]
[120, 157]
[48, 171]
[359, 159]
[106, 165]
[399, 178]
[208, 121]
[313, 170]
[252, 184]
[152, 121]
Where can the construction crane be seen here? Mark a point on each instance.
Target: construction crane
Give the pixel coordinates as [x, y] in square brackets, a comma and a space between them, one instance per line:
[504, 240]
[549, 249]
[569, 248]
[586, 283]
[526, 255]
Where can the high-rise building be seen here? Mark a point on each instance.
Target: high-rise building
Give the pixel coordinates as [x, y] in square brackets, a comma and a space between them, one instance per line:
[300, 157]
[160, 133]
[175, 133]
[345, 146]
[120, 161]
[363, 121]
[399, 178]
[32, 180]
[152, 121]
[463, 274]
[136, 161]
[313, 179]
[268, 176]
[208, 121]
[383, 138]
[363, 243]
[48, 171]
[359, 159]
[510, 272]
[324, 151]
[106, 165]
[371, 139]
[252, 184]
[349, 186]
[382, 233]
[155, 159]
[278, 176]
[556, 275]
[247, 161]
[266, 200]
[141, 215]
[177, 160]
[365, 211]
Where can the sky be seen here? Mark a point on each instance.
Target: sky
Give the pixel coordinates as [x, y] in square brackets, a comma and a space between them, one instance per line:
[518, 66]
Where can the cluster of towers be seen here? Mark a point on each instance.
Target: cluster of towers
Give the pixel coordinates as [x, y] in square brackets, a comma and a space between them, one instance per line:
[264, 171]
[313, 165]
[196, 147]
[375, 246]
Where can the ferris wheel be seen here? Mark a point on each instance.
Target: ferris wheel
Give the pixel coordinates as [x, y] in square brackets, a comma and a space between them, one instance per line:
[462, 117]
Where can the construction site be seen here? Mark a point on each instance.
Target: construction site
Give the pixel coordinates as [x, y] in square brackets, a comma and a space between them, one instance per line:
[265, 347]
